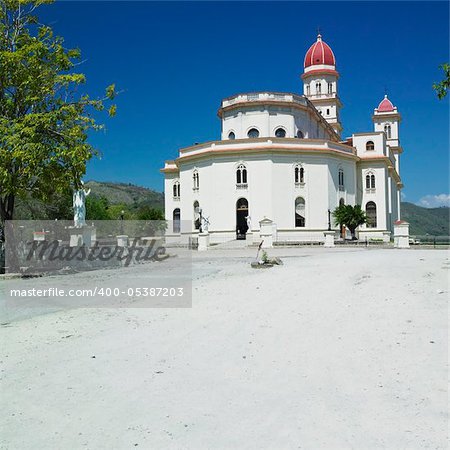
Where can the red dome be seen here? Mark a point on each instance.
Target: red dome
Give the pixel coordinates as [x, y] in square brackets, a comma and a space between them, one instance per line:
[319, 53]
[385, 105]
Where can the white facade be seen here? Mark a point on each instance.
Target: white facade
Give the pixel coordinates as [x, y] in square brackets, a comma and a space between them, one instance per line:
[281, 157]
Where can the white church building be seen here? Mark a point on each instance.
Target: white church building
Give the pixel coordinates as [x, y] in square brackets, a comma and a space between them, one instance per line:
[281, 159]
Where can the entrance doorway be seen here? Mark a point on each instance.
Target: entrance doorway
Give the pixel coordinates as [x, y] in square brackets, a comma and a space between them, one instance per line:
[241, 218]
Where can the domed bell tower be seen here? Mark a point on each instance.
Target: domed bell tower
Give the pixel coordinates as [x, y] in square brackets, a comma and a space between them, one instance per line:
[320, 82]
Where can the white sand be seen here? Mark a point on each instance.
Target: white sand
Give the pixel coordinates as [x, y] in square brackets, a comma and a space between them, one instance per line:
[339, 348]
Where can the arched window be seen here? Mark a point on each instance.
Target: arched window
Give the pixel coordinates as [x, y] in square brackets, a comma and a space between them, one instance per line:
[176, 189]
[308, 89]
[241, 175]
[341, 202]
[299, 174]
[280, 132]
[253, 133]
[231, 135]
[299, 212]
[370, 145]
[328, 111]
[300, 134]
[318, 88]
[330, 88]
[371, 213]
[176, 220]
[341, 179]
[195, 180]
[387, 130]
[370, 181]
[197, 219]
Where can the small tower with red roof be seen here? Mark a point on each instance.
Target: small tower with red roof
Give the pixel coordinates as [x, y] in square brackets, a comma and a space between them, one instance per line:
[320, 82]
[386, 118]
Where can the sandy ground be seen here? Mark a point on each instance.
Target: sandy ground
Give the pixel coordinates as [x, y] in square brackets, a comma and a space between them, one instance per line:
[338, 348]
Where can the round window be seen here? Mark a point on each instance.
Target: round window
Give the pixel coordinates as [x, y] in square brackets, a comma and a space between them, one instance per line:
[253, 133]
[280, 132]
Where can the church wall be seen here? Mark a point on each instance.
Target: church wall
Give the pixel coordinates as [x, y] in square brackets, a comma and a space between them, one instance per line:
[268, 119]
[380, 196]
[360, 140]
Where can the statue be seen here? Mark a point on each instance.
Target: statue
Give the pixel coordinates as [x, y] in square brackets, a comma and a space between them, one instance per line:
[79, 206]
[205, 224]
[249, 223]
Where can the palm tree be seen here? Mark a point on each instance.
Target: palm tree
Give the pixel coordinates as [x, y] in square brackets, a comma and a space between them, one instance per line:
[350, 216]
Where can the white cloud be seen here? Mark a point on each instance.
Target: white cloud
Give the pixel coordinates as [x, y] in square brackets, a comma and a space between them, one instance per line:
[434, 201]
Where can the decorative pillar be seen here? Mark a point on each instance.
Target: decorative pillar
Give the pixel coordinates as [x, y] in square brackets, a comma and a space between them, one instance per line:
[203, 241]
[329, 239]
[266, 232]
[401, 234]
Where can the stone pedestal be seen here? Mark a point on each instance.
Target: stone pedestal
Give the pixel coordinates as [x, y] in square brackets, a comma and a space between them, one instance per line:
[266, 232]
[249, 238]
[401, 234]
[39, 236]
[386, 236]
[85, 235]
[329, 239]
[203, 242]
[122, 240]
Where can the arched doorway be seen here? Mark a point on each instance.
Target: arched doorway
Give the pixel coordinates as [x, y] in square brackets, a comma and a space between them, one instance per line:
[197, 218]
[176, 220]
[371, 213]
[241, 218]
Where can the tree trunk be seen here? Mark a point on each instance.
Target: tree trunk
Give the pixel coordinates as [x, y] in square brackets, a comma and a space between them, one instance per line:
[352, 231]
[6, 212]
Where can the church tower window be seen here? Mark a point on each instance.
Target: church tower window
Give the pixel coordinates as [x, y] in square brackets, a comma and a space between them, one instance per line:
[300, 134]
[370, 181]
[195, 180]
[176, 190]
[387, 130]
[371, 212]
[300, 212]
[241, 176]
[318, 88]
[341, 179]
[370, 145]
[231, 135]
[299, 174]
[308, 89]
[330, 88]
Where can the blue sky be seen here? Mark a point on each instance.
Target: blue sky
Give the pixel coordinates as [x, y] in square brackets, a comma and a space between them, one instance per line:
[176, 61]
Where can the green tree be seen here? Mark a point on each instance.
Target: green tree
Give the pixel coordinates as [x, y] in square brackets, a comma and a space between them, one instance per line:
[442, 87]
[350, 216]
[97, 208]
[44, 119]
[149, 213]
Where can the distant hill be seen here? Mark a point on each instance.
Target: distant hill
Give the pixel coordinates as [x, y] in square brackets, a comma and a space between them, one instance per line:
[434, 221]
[129, 194]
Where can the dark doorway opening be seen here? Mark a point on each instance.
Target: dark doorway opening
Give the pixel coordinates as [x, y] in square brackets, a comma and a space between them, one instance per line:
[241, 218]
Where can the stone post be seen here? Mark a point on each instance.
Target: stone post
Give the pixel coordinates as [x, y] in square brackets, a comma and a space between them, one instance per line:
[266, 232]
[122, 240]
[329, 239]
[401, 234]
[386, 236]
[203, 241]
